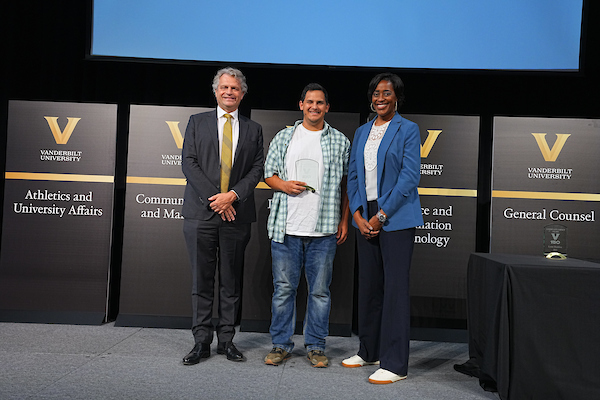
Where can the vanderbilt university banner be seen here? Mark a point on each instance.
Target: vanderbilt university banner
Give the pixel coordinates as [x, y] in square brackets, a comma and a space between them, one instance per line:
[545, 184]
[448, 194]
[258, 280]
[155, 275]
[58, 199]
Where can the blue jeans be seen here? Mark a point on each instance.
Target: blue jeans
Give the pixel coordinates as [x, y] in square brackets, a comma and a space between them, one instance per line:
[316, 255]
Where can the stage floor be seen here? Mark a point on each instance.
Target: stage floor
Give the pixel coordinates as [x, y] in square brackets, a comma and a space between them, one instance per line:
[47, 361]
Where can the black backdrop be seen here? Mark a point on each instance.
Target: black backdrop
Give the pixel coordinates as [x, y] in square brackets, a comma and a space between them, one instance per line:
[44, 58]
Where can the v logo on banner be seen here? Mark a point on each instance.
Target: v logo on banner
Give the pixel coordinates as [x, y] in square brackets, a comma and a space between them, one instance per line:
[551, 155]
[429, 142]
[174, 127]
[64, 136]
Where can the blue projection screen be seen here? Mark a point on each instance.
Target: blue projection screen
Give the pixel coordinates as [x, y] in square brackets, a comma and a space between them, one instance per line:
[432, 34]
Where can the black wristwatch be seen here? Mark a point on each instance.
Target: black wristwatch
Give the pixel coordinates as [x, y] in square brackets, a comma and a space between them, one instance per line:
[381, 217]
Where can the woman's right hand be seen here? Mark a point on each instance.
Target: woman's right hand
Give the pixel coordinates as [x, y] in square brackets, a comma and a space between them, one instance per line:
[363, 226]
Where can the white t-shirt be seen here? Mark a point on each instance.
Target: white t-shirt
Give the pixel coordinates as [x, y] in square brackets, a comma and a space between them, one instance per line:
[304, 162]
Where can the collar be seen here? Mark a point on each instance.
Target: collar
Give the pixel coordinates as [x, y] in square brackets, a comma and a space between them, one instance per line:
[396, 118]
[326, 127]
[221, 112]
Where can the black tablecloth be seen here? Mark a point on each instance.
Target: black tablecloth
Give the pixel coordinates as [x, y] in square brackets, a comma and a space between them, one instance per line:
[534, 326]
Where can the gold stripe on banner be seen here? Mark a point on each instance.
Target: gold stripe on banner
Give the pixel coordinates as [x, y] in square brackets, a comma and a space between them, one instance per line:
[262, 185]
[156, 181]
[172, 181]
[447, 192]
[508, 194]
[42, 176]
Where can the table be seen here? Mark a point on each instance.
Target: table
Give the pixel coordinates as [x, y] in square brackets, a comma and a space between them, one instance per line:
[534, 326]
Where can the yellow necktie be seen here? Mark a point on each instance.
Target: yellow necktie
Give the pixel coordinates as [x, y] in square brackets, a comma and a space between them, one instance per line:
[226, 154]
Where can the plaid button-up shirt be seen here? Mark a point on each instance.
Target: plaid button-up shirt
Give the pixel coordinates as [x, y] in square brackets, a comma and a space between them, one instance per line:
[336, 153]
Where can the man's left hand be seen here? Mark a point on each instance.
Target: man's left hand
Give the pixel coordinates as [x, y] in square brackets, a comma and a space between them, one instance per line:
[222, 202]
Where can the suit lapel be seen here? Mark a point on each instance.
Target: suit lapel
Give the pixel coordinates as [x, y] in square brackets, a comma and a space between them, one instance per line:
[213, 132]
[242, 137]
[386, 141]
[360, 154]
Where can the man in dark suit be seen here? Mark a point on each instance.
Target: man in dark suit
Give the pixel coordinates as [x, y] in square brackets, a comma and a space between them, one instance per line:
[222, 162]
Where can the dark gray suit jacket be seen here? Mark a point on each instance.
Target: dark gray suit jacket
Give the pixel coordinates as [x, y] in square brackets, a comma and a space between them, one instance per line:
[201, 166]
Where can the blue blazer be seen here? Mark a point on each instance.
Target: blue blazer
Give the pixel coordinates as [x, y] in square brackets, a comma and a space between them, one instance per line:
[398, 174]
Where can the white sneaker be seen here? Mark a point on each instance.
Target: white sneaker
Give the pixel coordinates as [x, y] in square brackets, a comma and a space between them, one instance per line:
[357, 361]
[383, 376]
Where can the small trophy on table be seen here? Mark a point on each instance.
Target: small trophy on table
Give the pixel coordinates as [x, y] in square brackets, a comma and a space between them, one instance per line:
[555, 241]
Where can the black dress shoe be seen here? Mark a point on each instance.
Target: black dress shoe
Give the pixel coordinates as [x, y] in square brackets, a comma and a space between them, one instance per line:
[228, 348]
[200, 351]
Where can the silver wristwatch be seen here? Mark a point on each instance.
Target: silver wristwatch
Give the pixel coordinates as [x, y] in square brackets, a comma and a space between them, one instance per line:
[381, 217]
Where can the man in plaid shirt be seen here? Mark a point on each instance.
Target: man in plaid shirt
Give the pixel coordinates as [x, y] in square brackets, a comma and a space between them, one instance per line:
[306, 166]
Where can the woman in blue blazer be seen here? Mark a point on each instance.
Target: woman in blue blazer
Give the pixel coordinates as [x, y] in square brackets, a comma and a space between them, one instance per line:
[383, 175]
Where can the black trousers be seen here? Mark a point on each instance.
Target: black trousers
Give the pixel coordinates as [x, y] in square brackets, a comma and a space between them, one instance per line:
[215, 245]
[383, 297]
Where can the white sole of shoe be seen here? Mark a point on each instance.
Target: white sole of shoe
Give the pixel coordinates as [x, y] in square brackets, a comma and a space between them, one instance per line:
[387, 381]
[348, 365]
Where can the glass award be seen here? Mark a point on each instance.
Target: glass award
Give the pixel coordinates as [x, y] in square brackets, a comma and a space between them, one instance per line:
[555, 241]
[307, 171]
